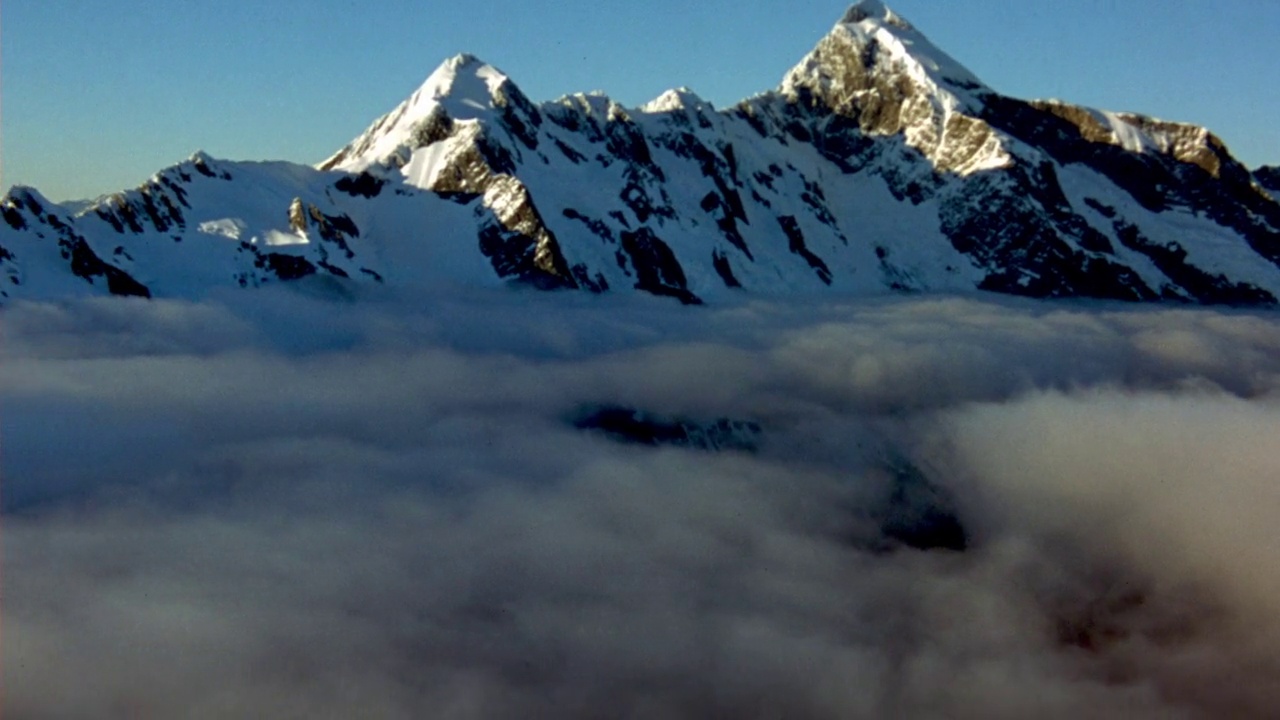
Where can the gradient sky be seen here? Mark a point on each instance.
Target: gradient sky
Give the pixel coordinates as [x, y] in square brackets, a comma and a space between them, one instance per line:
[99, 95]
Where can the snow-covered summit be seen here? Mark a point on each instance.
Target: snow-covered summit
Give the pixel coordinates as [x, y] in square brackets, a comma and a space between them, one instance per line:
[681, 98]
[462, 88]
[880, 40]
[864, 10]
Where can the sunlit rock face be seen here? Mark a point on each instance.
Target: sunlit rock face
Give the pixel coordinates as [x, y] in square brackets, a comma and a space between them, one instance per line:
[879, 164]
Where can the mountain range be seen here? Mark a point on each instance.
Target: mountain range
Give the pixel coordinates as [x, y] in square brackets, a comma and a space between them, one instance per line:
[879, 164]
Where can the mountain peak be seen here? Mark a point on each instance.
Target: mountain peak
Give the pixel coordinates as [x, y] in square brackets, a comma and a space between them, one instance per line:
[463, 87]
[879, 70]
[873, 10]
[871, 41]
[464, 78]
[681, 98]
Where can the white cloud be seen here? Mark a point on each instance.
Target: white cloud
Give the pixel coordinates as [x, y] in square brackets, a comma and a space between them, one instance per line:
[274, 503]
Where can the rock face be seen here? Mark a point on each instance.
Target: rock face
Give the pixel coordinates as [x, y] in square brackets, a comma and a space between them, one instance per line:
[879, 164]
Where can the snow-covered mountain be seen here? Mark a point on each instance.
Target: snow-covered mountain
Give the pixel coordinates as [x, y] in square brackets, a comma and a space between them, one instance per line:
[878, 164]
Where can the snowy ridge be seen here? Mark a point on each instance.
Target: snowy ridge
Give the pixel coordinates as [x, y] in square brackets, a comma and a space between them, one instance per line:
[879, 165]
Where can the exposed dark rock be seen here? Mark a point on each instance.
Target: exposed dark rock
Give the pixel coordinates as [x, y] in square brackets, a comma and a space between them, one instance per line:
[175, 188]
[333, 269]
[726, 219]
[637, 198]
[797, 245]
[724, 270]
[86, 264]
[1196, 174]
[13, 217]
[335, 229]
[657, 270]
[1171, 258]
[816, 199]
[287, 267]
[123, 209]
[338, 225]
[917, 513]
[624, 140]
[1025, 254]
[30, 203]
[631, 426]
[599, 228]
[574, 156]
[436, 126]
[517, 241]
[514, 255]
[361, 185]
[203, 168]
[592, 283]
[160, 222]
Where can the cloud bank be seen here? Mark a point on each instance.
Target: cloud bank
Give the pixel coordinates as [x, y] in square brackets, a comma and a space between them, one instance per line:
[279, 504]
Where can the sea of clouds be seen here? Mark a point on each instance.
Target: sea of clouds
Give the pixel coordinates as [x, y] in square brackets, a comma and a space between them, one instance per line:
[290, 505]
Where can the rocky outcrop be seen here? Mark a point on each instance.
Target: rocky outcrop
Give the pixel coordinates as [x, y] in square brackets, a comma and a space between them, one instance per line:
[916, 513]
[631, 426]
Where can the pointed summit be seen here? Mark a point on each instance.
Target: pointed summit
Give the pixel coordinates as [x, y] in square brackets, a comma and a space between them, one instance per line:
[874, 37]
[462, 88]
[879, 70]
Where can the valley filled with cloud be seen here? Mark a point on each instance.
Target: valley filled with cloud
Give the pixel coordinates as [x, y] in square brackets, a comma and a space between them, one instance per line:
[296, 503]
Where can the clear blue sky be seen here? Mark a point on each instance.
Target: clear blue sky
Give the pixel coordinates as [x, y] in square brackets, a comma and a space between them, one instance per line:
[97, 95]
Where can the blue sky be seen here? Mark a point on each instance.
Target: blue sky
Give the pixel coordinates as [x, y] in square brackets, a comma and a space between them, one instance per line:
[97, 96]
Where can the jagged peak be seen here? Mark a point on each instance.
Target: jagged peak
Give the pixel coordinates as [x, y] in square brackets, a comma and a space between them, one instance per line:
[199, 157]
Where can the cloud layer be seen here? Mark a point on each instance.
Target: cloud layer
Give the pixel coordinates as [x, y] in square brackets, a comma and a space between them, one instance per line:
[285, 505]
